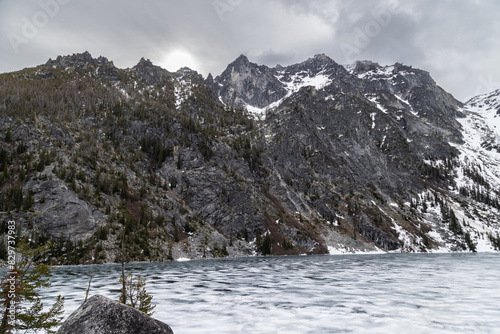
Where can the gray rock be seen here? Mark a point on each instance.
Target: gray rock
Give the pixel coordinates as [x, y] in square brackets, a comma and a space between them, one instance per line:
[150, 73]
[60, 210]
[101, 315]
[103, 68]
[245, 83]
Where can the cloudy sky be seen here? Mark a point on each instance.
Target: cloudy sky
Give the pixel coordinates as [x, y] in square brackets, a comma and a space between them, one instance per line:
[457, 41]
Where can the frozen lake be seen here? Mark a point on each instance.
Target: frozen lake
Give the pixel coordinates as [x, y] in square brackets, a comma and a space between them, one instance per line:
[386, 293]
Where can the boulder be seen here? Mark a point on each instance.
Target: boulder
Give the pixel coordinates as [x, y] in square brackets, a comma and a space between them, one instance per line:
[101, 315]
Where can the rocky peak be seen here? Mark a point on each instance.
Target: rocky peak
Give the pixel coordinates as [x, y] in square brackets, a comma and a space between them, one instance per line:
[245, 83]
[322, 56]
[320, 59]
[150, 73]
[76, 61]
[209, 80]
[399, 67]
[363, 66]
[319, 64]
[84, 62]
[403, 89]
[186, 72]
[242, 59]
[144, 62]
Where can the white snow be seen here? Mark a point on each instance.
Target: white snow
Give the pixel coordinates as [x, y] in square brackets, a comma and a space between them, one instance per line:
[480, 126]
[182, 91]
[255, 111]
[407, 103]
[410, 242]
[372, 115]
[379, 106]
[296, 82]
[344, 250]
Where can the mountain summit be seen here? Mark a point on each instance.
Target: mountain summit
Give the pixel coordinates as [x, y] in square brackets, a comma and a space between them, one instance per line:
[310, 158]
[244, 83]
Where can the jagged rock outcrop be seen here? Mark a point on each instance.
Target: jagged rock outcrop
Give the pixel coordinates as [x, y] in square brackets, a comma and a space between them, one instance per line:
[105, 316]
[84, 62]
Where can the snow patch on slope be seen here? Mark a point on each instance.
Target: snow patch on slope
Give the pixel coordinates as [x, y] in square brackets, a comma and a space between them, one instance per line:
[373, 99]
[292, 84]
[479, 154]
[182, 91]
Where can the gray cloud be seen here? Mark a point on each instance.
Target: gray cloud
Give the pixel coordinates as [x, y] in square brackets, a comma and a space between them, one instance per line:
[456, 41]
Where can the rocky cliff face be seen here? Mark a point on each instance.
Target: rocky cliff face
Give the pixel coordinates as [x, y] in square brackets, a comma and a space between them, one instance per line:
[308, 158]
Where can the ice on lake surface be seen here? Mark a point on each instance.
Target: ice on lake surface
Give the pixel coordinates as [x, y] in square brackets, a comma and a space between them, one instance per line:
[388, 293]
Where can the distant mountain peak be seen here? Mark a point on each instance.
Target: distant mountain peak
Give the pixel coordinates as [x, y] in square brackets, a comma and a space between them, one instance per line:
[242, 58]
[363, 66]
[145, 62]
[85, 62]
[84, 57]
[315, 65]
[186, 70]
[151, 73]
[245, 83]
[257, 87]
[323, 57]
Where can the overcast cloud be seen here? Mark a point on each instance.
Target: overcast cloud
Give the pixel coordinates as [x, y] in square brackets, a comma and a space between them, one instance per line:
[456, 41]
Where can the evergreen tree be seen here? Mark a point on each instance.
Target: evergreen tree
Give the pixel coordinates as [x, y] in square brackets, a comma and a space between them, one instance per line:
[3, 250]
[258, 241]
[470, 243]
[22, 285]
[8, 135]
[136, 294]
[266, 248]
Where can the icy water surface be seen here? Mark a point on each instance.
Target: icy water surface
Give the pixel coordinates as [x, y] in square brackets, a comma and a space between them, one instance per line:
[388, 293]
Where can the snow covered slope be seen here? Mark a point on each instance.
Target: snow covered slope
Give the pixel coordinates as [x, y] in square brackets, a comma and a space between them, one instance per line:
[477, 172]
[292, 83]
[484, 114]
[466, 213]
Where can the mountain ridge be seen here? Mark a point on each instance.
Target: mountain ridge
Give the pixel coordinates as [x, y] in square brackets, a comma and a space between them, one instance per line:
[308, 158]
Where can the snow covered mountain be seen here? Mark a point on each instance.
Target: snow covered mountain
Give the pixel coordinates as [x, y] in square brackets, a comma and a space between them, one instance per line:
[258, 88]
[449, 146]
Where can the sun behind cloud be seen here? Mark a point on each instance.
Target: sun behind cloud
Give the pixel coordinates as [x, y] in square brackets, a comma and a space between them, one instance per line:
[176, 59]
